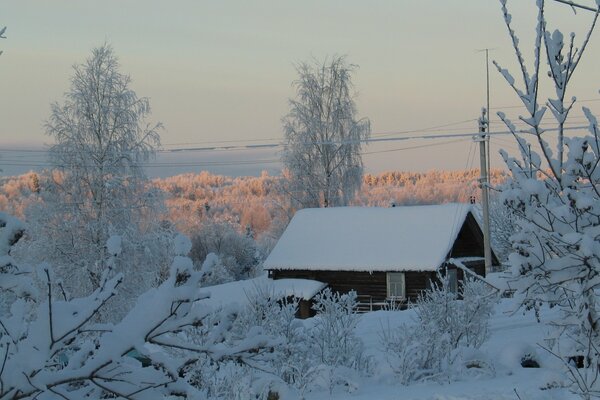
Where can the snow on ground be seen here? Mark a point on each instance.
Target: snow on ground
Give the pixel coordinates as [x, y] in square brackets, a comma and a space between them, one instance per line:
[512, 335]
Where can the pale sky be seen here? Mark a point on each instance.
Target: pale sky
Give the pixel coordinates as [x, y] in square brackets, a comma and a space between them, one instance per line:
[222, 70]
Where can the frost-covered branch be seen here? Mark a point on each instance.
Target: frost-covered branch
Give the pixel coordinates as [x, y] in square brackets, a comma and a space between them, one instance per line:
[56, 346]
[556, 256]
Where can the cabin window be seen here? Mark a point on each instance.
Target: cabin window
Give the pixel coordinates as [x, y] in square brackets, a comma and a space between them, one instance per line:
[396, 287]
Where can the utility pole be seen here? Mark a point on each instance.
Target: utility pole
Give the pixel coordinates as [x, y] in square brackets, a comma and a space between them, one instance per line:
[487, 107]
[487, 84]
[484, 151]
[483, 138]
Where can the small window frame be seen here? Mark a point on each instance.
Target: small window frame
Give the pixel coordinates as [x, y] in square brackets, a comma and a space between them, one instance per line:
[393, 280]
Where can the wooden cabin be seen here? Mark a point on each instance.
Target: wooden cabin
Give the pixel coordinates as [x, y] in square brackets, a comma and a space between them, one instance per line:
[386, 255]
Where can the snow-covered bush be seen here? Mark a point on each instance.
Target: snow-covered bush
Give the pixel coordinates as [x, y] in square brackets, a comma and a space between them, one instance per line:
[406, 353]
[52, 348]
[554, 192]
[333, 331]
[446, 324]
[237, 253]
[339, 351]
[217, 272]
[293, 360]
[288, 366]
[318, 353]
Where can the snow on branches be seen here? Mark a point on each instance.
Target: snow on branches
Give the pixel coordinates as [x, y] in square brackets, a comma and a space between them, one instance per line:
[555, 196]
[58, 349]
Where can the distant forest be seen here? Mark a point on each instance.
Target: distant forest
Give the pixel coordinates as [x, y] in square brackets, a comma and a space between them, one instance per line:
[259, 206]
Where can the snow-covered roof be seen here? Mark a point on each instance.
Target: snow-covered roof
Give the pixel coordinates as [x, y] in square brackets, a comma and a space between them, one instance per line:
[239, 292]
[412, 238]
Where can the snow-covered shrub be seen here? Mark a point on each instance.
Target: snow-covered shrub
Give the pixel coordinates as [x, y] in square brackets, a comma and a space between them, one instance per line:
[237, 253]
[446, 325]
[406, 353]
[289, 364]
[339, 351]
[294, 359]
[322, 352]
[54, 349]
[458, 319]
[217, 271]
[477, 306]
[333, 331]
[554, 193]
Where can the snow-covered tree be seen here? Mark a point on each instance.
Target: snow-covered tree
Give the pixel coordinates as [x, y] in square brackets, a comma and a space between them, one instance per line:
[323, 136]
[554, 192]
[97, 187]
[51, 347]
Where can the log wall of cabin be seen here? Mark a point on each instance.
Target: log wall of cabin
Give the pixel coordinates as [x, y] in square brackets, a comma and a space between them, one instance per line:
[364, 283]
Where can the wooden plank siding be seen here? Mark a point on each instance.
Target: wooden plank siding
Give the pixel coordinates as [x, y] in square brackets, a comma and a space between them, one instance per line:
[364, 283]
[469, 243]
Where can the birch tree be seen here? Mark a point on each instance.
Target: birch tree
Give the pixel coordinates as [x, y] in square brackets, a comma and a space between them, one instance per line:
[555, 194]
[98, 187]
[323, 136]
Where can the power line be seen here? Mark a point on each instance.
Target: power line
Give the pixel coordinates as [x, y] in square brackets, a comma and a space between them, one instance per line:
[21, 163]
[250, 162]
[417, 147]
[239, 146]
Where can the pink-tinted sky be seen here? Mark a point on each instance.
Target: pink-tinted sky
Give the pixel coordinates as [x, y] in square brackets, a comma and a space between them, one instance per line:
[222, 70]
